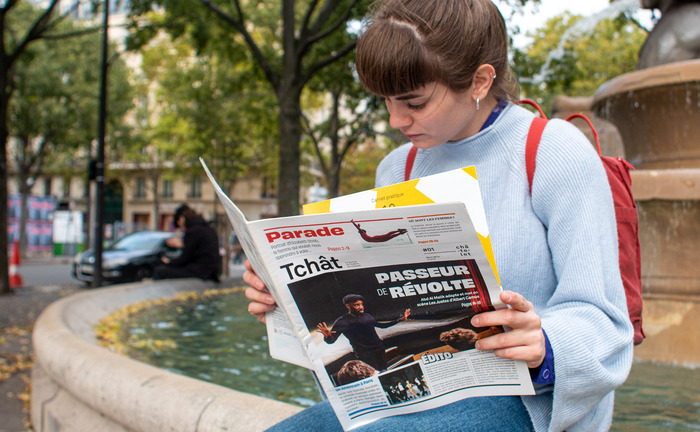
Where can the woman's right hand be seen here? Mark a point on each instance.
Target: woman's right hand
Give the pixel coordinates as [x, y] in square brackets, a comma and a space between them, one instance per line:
[261, 301]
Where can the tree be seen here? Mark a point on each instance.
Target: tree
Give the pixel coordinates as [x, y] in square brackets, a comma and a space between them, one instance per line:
[585, 63]
[54, 106]
[205, 104]
[304, 52]
[17, 34]
[290, 41]
[346, 116]
[361, 165]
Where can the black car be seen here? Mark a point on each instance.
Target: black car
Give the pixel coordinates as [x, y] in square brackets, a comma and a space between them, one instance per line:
[129, 259]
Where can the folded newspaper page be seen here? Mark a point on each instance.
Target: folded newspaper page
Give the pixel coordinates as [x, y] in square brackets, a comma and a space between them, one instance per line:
[380, 303]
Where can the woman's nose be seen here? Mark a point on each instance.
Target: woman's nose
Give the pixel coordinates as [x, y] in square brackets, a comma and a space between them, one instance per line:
[399, 118]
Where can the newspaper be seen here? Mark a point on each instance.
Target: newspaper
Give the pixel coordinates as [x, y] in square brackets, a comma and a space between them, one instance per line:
[378, 303]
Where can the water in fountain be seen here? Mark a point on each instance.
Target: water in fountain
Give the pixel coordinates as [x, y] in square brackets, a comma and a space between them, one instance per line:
[218, 341]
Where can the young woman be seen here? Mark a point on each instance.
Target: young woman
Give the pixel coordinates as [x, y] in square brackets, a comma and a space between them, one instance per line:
[442, 67]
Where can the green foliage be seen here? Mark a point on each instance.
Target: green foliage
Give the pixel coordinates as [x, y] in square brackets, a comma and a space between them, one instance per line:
[298, 49]
[286, 42]
[587, 60]
[56, 96]
[340, 115]
[361, 167]
[211, 105]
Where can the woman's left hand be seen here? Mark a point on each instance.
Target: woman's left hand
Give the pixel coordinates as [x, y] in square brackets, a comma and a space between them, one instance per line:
[525, 341]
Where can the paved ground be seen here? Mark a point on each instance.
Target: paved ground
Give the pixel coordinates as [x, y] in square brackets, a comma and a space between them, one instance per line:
[18, 311]
[46, 280]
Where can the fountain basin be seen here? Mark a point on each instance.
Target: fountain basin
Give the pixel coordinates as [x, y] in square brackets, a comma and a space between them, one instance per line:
[657, 112]
[668, 203]
[78, 385]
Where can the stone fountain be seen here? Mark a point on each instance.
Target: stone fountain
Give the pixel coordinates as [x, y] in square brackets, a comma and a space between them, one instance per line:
[656, 110]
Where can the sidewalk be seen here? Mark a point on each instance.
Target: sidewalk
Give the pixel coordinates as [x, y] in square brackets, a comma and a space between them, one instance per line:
[18, 311]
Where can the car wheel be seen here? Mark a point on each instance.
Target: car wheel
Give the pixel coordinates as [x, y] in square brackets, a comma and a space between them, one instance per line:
[142, 273]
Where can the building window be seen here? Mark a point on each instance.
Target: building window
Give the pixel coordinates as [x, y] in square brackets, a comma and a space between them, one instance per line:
[140, 187]
[195, 188]
[167, 189]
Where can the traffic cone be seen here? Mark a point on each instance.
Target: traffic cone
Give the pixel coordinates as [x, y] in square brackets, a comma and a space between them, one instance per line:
[15, 278]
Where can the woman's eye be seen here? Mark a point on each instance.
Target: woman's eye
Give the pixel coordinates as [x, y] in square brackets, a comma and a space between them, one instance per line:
[416, 106]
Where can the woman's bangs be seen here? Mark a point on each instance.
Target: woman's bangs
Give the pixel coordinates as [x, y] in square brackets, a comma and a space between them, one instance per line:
[394, 64]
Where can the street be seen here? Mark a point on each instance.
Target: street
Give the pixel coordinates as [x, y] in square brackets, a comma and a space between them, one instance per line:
[48, 272]
[55, 272]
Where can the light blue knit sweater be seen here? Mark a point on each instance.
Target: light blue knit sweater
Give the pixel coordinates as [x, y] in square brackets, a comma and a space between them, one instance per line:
[558, 249]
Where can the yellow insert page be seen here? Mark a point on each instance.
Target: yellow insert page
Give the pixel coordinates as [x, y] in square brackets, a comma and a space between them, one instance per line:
[456, 185]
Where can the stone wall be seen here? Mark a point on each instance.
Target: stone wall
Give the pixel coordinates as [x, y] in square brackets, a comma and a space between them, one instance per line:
[78, 385]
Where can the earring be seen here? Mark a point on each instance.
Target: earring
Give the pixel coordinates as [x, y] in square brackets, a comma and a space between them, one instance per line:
[493, 76]
[477, 104]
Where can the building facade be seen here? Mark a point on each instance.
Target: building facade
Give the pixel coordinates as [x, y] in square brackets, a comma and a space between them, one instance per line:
[136, 200]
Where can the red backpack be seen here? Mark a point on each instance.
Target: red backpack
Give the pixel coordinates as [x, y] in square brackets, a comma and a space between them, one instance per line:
[617, 170]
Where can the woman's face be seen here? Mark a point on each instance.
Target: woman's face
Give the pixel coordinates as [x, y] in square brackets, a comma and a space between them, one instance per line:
[433, 115]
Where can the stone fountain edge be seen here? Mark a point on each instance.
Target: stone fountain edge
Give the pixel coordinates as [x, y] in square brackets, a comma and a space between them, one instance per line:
[78, 385]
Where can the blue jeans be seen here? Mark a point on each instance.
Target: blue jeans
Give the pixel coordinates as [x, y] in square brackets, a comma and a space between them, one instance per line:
[494, 414]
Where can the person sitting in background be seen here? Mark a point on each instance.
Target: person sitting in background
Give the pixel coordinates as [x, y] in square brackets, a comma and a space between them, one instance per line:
[200, 249]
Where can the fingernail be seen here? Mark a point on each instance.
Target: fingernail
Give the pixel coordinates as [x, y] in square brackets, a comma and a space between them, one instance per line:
[475, 321]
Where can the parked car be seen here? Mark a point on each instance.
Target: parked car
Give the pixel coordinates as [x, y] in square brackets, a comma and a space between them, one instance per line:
[130, 259]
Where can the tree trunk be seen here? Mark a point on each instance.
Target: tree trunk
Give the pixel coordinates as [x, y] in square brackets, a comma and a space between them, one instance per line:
[289, 151]
[4, 270]
[334, 182]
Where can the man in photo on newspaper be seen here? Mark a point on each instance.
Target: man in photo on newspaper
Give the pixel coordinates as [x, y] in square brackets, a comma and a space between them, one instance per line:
[359, 327]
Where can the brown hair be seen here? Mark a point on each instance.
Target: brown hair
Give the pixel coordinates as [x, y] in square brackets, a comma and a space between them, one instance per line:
[354, 370]
[459, 338]
[410, 43]
[183, 210]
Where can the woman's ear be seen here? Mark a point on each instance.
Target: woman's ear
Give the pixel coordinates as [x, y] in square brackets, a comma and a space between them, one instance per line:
[483, 79]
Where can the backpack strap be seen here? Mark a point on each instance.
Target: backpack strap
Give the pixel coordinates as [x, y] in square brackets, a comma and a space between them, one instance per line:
[595, 134]
[531, 145]
[533, 104]
[409, 162]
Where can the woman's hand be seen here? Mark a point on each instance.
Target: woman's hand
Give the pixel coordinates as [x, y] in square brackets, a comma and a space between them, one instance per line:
[524, 342]
[261, 301]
